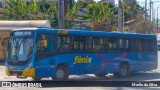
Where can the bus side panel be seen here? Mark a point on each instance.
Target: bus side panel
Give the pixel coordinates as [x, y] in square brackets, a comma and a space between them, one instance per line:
[137, 59]
[150, 61]
[45, 67]
[99, 63]
[79, 63]
[110, 62]
[92, 63]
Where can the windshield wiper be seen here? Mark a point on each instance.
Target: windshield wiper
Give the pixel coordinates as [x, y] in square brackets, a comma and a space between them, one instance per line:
[17, 48]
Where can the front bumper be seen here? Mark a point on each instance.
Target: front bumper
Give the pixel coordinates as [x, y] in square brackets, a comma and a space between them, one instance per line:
[26, 73]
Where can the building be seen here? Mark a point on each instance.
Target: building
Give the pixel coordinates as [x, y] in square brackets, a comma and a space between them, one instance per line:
[104, 1]
[89, 1]
[109, 1]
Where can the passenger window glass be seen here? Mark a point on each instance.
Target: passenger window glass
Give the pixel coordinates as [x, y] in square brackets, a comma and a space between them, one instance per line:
[137, 45]
[45, 46]
[45, 43]
[63, 43]
[150, 45]
[89, 46]
[124, 44]
[79, 43]
[98, 44]
[112, 44]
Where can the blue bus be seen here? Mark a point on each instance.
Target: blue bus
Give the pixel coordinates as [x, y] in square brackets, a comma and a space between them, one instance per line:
[55, 53]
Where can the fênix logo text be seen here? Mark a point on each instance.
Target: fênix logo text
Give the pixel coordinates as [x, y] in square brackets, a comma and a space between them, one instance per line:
[80, 59]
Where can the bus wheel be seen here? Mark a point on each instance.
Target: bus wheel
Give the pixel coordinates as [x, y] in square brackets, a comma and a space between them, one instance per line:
[100, 75]
[123, 71]
[61, 73]
[37, 79]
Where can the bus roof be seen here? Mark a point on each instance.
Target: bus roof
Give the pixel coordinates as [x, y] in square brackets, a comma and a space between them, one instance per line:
[88, 32]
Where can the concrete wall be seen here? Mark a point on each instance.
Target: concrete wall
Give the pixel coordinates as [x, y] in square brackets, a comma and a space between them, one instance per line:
[3, 44]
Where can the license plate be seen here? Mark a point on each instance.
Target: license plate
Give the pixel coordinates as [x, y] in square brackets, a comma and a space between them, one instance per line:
[15, 74]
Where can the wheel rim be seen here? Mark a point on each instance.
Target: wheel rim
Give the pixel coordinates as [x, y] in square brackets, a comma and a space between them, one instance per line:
[60, 74]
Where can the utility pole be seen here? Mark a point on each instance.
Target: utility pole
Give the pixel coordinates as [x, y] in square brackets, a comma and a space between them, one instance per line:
[152, 17]
[120, 16]
[152, 12]
[61, 14]
[157, 19]
[150, 5]
[153, 21]
[123, 21]
[145, 16]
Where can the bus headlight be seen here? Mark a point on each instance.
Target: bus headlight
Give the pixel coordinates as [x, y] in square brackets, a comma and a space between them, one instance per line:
[29, 65]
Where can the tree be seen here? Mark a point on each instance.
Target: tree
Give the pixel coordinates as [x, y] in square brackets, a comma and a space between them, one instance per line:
[136, 12]
[21, 10]
[70, 16]
[72, 13]
[132, 9]
[101, 16]
[51, 14]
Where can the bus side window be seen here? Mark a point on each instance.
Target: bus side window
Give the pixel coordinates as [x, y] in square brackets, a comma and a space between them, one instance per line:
[39, 46]
[64, 43]
[124, 44]
[106, 45]
[75, 44]
[98, 44]
[45, 43]
[79, 43]
[88, 45]
[112, 44]
[137, 45]
[143, 41]
[44, 46]
[150, 45]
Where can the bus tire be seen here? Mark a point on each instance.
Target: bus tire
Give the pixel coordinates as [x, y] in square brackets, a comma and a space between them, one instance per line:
[61, 73]
[124, 70]
[100, 75]
[37, 79]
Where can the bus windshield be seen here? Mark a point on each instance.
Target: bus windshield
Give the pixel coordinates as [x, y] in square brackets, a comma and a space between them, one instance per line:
[20, 48]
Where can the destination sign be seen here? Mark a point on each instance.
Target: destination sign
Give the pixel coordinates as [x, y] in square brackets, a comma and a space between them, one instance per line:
[22, 33]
